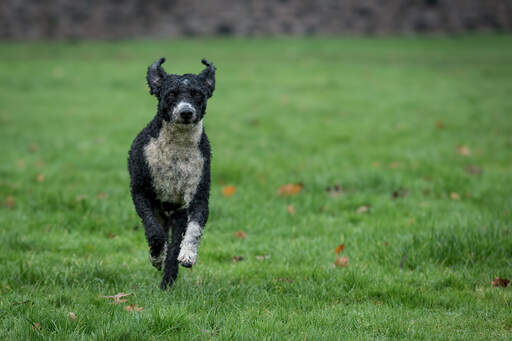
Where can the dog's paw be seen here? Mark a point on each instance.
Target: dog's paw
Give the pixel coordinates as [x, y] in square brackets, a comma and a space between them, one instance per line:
[187, 257]
[159, 258]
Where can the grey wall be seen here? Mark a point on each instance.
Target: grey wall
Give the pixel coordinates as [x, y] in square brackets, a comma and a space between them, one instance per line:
[76, 19]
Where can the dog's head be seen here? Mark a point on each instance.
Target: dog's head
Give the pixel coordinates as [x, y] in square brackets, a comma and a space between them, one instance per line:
[181, 99]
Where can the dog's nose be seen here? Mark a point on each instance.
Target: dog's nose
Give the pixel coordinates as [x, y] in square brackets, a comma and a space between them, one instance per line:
[186, 115]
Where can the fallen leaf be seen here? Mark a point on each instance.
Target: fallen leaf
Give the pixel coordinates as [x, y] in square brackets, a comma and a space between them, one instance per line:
[240, 234]
[339, 248]
[36, 326]
[39, 163]
[101, 195]
[334, 191]
[454, 196]
[228, 191]
[9, 201]
[133, 307]
[411, 221]
[395, 164]
[291, 209]
[500, 282]
[40, 178]
[117, 297]
[473, 170]
[289, 189]
[376, 164]
[81, 197]
[341, 262]
[72, 315]
[20, 164]
[33, 147]
[237, 259]
[439, 124]
[399, 193]
[110, 235]
[463, 150]
[386, 244]
[363, 209]
[262, 258]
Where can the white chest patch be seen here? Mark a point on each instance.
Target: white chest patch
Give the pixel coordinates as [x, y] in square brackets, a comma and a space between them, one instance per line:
[175, 162]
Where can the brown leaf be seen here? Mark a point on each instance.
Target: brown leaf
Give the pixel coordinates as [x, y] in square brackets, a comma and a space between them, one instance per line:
[40, 178]
[9, 201]
[36, 326]
[237, 259]
[363, 209]
[110, 235]
[463, 150]
[395, 164]
[334, 191]
[262, 258]
[289, 189]
[33, 147]
[72, 315]
[473, 170]
[399, 193]
[20, 164]
[376, 164]
[500, 282]
[39, 163]
[81, 197]
[386, 244]
[117, 297]
[101, 195]
[240, 234]
[439, 124]
[133, 307]
[339, 248]
[341, 262]
[228, 191]
[454, 196]
[291, 209]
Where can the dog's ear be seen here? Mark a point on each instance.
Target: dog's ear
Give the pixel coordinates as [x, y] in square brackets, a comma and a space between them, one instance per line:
[208, 76]
[155, 77]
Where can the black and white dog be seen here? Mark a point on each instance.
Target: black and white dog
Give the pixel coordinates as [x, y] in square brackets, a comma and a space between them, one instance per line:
[169, 164]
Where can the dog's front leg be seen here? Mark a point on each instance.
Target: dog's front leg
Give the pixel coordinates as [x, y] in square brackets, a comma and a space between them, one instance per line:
[197, 217]
[155, 234]
[178, 224]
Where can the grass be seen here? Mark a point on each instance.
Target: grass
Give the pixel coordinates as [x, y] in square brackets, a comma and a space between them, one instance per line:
[375, 116]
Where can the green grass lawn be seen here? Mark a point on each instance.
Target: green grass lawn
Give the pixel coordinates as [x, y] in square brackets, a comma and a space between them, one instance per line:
[429, 119]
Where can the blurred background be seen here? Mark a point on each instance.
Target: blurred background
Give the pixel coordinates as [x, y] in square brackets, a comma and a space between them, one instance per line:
[114, 19]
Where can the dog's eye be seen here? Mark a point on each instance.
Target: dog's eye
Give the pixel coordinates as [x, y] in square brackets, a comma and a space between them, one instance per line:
[196, 94]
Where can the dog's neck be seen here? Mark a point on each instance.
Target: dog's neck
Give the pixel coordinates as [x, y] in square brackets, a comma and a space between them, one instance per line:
[183, 135]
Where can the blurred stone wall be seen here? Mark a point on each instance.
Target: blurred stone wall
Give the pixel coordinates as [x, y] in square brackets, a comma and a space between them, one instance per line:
[111, 19]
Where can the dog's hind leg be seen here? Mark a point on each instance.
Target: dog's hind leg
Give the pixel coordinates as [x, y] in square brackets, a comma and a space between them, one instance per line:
[178, 224]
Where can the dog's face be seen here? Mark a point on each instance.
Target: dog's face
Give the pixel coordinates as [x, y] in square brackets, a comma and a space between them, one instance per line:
[181, 99]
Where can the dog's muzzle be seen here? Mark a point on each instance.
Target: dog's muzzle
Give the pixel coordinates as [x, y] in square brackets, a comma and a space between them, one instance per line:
[184, 113]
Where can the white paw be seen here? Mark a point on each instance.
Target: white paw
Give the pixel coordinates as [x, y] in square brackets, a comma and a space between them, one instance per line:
[160, 259]
[187, 257]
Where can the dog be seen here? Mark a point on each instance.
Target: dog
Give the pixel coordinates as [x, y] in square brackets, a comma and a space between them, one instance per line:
[169, 166]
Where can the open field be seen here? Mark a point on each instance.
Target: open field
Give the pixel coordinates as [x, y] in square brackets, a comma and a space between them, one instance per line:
[428, 119]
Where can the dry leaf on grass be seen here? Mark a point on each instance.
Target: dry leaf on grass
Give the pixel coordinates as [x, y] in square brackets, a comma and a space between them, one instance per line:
[228, 191]
[110, 235]
[439, 124]
[118, 297]
[291, 209]
[72, 315]
[334, 191]
[36, 326]
[395, 165]
[81, 197]
[9, 201]
[33, 147]
[500, 282]
[473, 170]
[363, 209]
[237, 259]
[40, 178]
[339, 248]
[39, 163]
[289, 189]
[454, 196]
[240, 234]
[376, 164]
[101, 195]
[399, 193]
[463, 150]
[133, 307]
[341, 262]
[262, 258]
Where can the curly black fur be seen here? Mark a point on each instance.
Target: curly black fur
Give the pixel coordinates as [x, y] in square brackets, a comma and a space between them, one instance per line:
[168, 190]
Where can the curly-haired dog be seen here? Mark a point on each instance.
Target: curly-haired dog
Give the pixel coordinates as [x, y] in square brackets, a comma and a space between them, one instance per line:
[169, 164]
